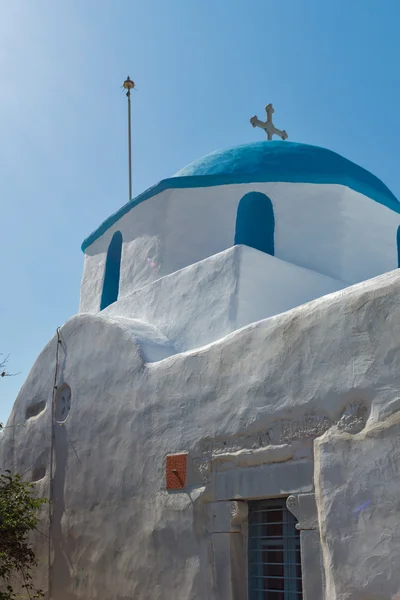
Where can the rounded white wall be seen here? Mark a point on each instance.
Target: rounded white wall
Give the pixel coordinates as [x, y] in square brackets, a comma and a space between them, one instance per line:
[246, 410]
[330, 229]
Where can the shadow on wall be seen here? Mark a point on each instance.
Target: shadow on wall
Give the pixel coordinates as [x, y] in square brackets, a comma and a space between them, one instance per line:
[112, 271]
[61, 567]
[255, 223]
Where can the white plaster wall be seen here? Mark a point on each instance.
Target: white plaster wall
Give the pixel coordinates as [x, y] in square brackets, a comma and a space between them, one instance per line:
[143, 237]
[281, 382]
[358, 494]
[220, 294]
[370, 237]
[329, 229]
[268, 286]
[191, 307]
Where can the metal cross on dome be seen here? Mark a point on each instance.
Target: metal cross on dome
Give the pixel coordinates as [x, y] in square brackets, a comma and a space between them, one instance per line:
[268, 126]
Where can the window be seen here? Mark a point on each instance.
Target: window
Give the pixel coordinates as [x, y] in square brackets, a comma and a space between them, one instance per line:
[255, 223]
[62, 403]
[274, 552]
[112, 271]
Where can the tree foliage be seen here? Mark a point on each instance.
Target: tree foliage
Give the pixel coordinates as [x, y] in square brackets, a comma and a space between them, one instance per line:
[19, 509]
[18, 518]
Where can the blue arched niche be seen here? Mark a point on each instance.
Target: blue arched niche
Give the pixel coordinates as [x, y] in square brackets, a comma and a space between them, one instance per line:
[255, 222]
[112, 271]
[398, 247]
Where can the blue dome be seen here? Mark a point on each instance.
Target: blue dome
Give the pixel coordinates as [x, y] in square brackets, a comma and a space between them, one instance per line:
[286, 162]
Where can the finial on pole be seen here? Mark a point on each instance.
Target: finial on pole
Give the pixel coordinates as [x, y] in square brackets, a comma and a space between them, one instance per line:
[129, 85]
[268, 125]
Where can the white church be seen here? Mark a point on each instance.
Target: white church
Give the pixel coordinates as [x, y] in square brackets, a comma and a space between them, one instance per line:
[221, 419]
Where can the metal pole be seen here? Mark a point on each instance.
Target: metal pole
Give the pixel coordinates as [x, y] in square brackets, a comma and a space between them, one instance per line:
[129, 85]
[128, 93]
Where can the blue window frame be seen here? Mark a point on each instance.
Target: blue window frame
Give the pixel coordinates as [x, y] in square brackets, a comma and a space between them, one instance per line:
[112, 271]
[274, 552]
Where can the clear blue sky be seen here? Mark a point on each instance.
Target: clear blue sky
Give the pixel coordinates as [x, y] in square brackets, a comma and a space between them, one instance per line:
[202, 69]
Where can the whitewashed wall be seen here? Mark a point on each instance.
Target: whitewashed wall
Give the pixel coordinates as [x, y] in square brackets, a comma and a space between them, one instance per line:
[246, 410]
[329, 229]
[212, 298]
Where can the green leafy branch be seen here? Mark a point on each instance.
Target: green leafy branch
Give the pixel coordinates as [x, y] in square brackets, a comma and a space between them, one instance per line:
[18, 518]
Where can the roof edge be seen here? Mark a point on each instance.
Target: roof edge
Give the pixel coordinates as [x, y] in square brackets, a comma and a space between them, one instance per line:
[386, 198]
